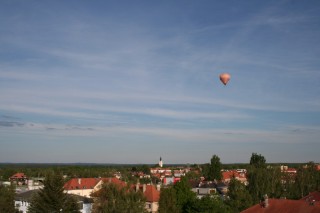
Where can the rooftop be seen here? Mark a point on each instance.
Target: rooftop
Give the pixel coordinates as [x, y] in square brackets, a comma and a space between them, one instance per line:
[285, 206]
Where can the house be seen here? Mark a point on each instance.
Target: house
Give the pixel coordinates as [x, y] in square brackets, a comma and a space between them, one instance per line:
[19, 179]
[35, 183]
[284, 205]
[81, 186]
[178, 173]
[160, 173]
[168, 181]
[286, 169]
[86, 186]
[160, 170]
[152, 194]
[203, 188]
[290, 174]
[22, 201]
[240, 176]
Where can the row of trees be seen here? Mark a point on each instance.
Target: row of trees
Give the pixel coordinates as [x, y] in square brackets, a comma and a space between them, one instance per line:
[72, 171]
[263, 179]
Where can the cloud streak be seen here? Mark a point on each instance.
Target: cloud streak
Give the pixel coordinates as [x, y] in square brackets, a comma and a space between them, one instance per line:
[137, 78]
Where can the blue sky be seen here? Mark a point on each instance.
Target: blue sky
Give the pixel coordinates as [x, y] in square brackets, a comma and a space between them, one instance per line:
[130, 81]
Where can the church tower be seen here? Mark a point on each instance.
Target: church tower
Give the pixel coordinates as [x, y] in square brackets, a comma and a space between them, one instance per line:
[160, 163]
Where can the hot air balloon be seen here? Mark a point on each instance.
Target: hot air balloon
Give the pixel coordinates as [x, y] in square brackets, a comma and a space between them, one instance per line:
[224, 78]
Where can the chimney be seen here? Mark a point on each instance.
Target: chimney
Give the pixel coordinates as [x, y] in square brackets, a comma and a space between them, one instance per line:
[79, 181]
[158, 187]
[266, 201]
[144, 187]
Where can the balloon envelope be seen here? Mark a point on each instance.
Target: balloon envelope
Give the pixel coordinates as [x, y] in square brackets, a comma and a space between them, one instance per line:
[224, 78]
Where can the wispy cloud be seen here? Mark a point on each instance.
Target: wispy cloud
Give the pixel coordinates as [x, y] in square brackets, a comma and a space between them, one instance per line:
[98, 74]
[202, 136]
[10, 124]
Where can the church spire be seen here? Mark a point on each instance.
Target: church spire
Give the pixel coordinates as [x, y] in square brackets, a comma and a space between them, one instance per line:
[160, 162]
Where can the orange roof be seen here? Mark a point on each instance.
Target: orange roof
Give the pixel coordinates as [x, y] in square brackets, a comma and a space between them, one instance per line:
[114, 180]
[89, 183]
[81, 183]
[230, 174]
[18, 175]
[152, 194]
[285, 206]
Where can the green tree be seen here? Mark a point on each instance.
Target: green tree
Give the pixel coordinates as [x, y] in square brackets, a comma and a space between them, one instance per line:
[257, 161]
[287, 187]
[307, 180]
[192, 175]
[112, 198]
[215, 168]
[184, 194]
[275, 181]
[257, 177]
[51, 197]
[7, 199]
[258, 183]
[204, 169]
[207, 204]
[145, 169]
[239, 197]
[168, 201]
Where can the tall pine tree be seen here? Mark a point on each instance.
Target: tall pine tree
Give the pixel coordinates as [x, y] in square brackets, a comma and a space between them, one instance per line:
[51, 198]
[7, 199]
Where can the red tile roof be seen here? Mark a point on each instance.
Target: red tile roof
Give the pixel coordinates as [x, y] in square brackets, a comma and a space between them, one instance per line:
[312, 196]
[226, 175]
[81, 183]
[89, 183]
[114, 180]
[18, 175]
[285, 206]
[152, 194]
